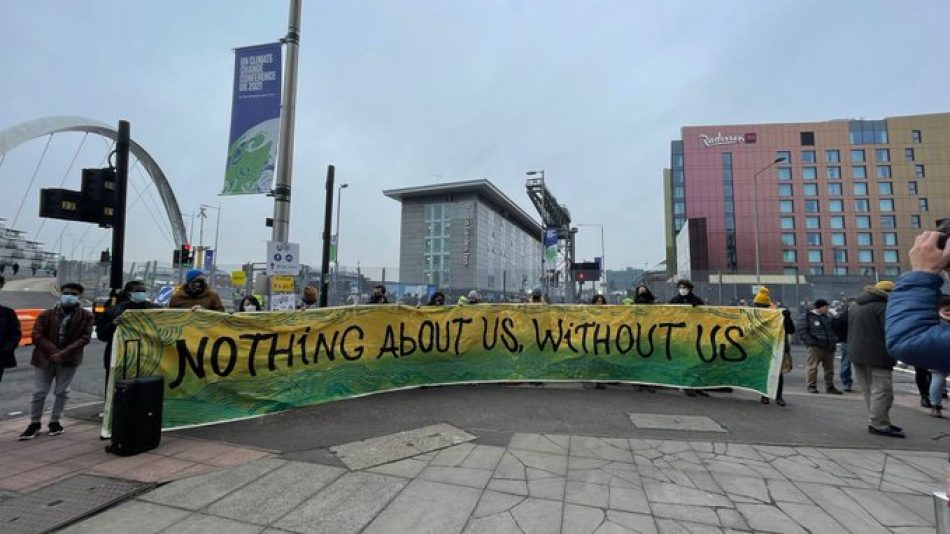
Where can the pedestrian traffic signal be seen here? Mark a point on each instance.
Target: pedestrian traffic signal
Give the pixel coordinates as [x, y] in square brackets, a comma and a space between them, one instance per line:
[94, 203]
[184, 256]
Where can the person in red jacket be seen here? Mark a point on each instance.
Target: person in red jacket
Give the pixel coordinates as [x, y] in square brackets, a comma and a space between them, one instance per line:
[59, 336]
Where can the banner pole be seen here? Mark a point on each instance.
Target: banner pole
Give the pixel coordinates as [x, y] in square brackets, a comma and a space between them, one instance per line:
[327, 226]
[281, 232]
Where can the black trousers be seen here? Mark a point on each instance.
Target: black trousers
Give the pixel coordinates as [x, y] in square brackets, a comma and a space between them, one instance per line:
[922, 378]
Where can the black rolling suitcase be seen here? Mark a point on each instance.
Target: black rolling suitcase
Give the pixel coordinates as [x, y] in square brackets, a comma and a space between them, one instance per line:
[136, 409]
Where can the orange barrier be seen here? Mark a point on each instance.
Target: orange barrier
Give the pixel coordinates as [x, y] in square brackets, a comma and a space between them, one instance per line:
[27, 318]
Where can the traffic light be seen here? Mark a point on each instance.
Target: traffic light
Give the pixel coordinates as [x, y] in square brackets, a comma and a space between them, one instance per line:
[94, 203]
[187, 255]
[105, 257]
[176, 258]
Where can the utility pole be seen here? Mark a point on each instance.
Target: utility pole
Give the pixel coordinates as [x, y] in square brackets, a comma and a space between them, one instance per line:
[327, 228]
[281, 231]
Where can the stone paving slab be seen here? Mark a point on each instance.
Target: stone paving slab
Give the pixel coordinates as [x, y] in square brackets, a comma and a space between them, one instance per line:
[392, 447]
[695, 423]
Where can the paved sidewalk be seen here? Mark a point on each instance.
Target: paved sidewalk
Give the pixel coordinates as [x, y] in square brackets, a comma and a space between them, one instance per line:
[556, 483]
[29, 465]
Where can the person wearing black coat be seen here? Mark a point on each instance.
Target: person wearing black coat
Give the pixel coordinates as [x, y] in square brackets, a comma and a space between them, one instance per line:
[9, 336]
[643, 295]
[133, 297]
[685, 295]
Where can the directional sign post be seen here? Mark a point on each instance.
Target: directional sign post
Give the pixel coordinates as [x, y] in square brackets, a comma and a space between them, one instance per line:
[283, 258]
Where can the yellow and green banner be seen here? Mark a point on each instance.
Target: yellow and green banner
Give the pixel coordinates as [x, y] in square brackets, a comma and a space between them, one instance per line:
[220, 367]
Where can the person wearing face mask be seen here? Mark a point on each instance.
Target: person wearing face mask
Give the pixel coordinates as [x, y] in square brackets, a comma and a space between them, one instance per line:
[59, 336]
[196, 294]
[9, 336]
[685, 295]
[642, 295]
[249, 304]
[132, 297]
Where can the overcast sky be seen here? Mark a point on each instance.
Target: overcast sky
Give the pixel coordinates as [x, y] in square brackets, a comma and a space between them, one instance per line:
[402, 93]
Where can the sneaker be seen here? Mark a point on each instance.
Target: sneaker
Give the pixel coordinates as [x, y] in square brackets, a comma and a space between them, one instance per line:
[764, 400]
[30, 432]
[891, 432]
[833, 391]
[812, 389]
[925, 403]
[897, 428]
[780, 401]
[55, 428]
[935, 412]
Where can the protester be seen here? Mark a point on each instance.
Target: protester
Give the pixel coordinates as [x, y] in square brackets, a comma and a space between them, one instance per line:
[839, 324]
[437, 299]
[873, 366]
[59, 336]
[309, 299]
[16, 268]
[915, 334]
[196, 294]
[685, 295]
[763, 299]
[474, 297]
[379, 295]
[598, 299]
[132, 297]
[938, 378]
[627, 301]
[10, 335]
[922, 381]
[250, 304]
[816, 332]
[537, 296]
[643, 295]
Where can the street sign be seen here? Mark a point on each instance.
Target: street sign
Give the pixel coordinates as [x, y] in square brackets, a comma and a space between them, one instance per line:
[282, 284]
[238, 278]
[164, 295]
[283, 258]
[283, 301]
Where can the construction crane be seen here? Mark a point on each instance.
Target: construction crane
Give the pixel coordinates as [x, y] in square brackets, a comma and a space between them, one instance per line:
[557, 216]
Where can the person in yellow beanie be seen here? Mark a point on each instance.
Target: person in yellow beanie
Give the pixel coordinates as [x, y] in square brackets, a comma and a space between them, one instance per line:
[764, 300]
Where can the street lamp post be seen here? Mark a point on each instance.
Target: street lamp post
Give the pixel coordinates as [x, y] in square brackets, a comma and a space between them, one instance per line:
[755, 215]
[217, 228]
[544, 274]
[336, 259]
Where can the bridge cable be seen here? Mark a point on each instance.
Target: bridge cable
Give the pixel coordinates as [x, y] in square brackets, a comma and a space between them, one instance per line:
[30, 185]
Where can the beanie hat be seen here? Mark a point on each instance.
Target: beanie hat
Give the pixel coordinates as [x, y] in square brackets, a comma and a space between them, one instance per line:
[309, 294]
[192, 274]
[885, 285]
[762, 297]
[820, 303]
[473, 295]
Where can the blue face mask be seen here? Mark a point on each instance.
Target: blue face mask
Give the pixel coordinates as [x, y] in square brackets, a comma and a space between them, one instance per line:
[138, 297]
[69, 300]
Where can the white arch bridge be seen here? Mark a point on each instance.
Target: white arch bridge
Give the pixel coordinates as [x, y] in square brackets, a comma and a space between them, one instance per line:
[19, 134]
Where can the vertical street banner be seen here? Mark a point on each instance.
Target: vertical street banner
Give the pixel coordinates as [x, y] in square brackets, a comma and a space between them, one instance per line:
[255, 120]
[550, 243]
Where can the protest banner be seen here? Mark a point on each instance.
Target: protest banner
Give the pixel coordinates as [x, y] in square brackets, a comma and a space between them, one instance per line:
[220, 367]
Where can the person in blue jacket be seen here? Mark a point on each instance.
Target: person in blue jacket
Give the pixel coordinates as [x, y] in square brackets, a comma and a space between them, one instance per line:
[914, 332]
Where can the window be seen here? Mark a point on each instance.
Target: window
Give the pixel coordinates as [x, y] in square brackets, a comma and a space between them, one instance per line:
[790, 271]
[883, 171]
[808, 138]
[882, 154]
[890, 256]
[816, 270]
[888, 221]
[814, 256]
[813, 239]
[810, 190]
[786, 206]
[862, 221]
[784, 190]
[834, 190]
[811, 206]
[841, 271]
[833, 173]
[838, 239]
[863, 132]
[915, 221]
[885, 204]
[919, 171]
[784, 173]
[784, 154]
[912, 188]
[678, 176]
[788, 240]
[837, 222]
[860, 172]
[865, 256]
[789, 256]
[867, 271]
[809, 173]
[889, 239]
[915, 136]
[836, 205]
[857, 155]
[808, 156]
[922, 204]
[885, 188]
[908, 154]
[892, 271]
[841, 255]
[860, 188]
[812, 223]
[862, 205]
[787, 223]
[865, 239]
[832, 156]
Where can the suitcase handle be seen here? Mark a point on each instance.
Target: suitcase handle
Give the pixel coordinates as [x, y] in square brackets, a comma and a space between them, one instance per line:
[125, 357]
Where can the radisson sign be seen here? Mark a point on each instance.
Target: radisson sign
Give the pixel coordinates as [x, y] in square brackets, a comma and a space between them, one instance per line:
[734, 139]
